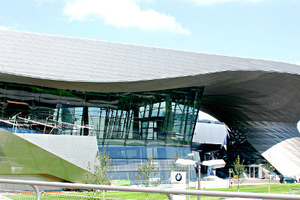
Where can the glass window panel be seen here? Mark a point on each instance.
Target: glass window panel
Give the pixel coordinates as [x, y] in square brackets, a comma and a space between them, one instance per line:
[154, 117]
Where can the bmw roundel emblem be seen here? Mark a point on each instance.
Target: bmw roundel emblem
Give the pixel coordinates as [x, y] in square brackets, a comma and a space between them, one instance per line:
[178, 177]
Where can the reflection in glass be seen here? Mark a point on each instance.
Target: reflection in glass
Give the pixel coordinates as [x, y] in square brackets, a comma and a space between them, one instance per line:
[143, 118]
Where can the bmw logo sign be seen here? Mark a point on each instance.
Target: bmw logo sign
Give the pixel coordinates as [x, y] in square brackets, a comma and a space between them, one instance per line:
[178, 177]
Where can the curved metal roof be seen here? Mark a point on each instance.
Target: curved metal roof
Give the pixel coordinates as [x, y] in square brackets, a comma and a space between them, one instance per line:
[85, 64]
[259, 98]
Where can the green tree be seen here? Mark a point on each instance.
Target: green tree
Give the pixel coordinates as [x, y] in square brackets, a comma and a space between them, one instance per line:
[100, 172]
[271, 169]
[173, 164]
[238, 171]
[146, 171]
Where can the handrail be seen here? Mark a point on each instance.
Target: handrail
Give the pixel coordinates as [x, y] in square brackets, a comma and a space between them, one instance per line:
[167, 191]
[52, 125]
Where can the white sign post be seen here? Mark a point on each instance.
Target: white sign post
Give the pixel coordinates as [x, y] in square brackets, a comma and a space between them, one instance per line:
[178, 180]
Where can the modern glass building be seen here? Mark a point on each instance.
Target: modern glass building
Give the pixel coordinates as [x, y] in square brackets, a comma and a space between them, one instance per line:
[136, 102]
[131, 126]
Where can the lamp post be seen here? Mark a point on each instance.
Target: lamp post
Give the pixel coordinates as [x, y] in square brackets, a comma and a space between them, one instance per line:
[189, 171]
[217, 163]
[269, 189]
[199, 176]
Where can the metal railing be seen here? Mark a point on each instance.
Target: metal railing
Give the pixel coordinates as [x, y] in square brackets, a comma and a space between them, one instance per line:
[18, 122]
[166, 191]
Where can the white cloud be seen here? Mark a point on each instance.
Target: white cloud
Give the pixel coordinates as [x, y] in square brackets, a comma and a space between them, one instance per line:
[122, 13]
[12, 26]
[206, 2]
[3, 28]
[298, 63]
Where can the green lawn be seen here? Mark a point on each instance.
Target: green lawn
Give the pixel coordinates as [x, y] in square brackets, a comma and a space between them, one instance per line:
[275, 188]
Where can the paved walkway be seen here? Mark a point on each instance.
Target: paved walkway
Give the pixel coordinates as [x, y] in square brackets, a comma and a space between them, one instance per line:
[257, 181]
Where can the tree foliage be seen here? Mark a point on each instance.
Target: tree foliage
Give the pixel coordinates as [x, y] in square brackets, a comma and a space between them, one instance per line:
[100, 172]
[173, 164]
[146, 171]
[271, 169]
[238, 171]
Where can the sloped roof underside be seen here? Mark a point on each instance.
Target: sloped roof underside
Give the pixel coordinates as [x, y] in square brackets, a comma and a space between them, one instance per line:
[259, 98]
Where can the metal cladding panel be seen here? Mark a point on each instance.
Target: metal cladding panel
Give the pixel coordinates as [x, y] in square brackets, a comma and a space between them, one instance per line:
[26, 158]
[78, 150]
[285, 156]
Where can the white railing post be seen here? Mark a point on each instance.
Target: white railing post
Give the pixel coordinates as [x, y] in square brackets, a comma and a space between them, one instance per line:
[170, 196]
[37, 192]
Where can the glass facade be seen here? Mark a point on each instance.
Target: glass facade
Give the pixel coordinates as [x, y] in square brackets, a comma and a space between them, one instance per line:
[155, 118]
[131, 126]
[126, 159]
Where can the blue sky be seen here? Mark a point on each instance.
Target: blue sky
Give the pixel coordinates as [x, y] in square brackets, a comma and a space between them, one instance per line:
[263, 29]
